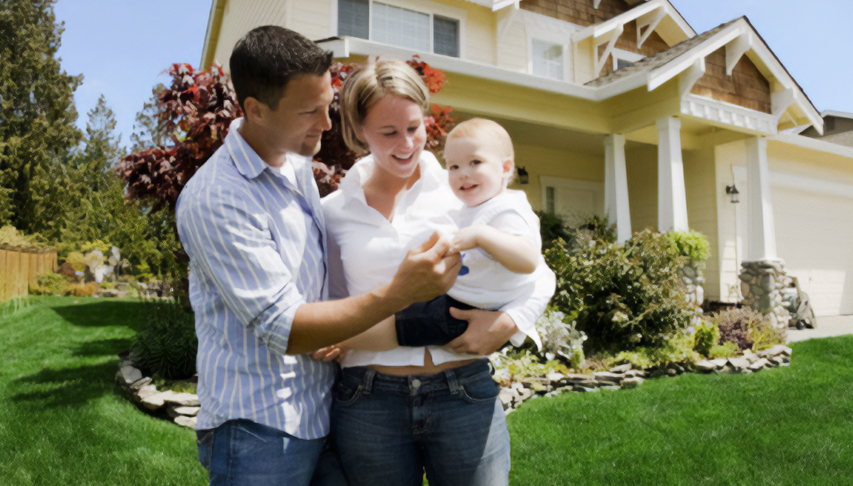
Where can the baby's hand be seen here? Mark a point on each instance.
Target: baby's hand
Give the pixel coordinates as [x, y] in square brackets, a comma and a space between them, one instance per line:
[465, 239]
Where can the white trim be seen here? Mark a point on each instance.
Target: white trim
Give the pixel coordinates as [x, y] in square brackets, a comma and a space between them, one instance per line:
[530, 40]
[672, 195]
[596, 31]
[650, 22]
[664, 73]
[735, 50]
[597, 188]
[616, 203]
[728, 114]
[837, 114]
[608, 40]
[762, 228]
[621, 54]
[687, 79]
[815, 144]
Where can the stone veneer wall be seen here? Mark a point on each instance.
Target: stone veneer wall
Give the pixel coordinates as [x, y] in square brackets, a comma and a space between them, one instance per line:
[762, 285]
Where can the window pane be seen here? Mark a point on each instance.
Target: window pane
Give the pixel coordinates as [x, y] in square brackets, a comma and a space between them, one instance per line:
[353, 18]
[547, 59]
[445, 34]
[400, 27]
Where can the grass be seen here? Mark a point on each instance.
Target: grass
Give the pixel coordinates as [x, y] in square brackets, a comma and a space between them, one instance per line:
[785, 426]
[62, 419]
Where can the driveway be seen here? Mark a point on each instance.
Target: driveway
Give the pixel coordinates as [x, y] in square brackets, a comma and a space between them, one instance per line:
[827, 326]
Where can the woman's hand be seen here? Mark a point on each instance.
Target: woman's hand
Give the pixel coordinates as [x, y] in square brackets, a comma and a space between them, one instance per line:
[487, 331]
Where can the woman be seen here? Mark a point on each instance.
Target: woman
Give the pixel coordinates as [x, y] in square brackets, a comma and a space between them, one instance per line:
[403, 412]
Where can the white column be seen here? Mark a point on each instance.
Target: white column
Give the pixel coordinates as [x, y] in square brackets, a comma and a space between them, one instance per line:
[616, 186]
[762, 232]
[672, 199]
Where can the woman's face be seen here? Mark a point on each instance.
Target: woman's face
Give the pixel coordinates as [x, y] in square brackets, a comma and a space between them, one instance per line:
[394, 131]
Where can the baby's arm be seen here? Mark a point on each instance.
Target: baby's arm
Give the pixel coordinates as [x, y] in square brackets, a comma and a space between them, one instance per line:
[381, 337]
[515, 252]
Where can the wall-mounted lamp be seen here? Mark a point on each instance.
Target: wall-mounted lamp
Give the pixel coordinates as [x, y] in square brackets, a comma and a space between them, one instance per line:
[523, 176]
[733, 192]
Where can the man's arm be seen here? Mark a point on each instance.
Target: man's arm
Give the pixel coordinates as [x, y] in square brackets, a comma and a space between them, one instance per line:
[228, 239]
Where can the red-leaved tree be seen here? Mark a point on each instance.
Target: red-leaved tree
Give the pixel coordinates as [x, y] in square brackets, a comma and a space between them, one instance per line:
[197, 110]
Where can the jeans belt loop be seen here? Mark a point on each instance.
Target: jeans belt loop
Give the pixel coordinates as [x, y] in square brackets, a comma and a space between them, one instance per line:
[367, 381]
[452, 383]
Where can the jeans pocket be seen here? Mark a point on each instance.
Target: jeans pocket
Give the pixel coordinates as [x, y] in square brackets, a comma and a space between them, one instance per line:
[483, 390]
[347, 392]
[204, 441]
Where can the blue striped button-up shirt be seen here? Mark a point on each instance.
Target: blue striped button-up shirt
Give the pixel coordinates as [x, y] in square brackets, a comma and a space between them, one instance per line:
[256, 240]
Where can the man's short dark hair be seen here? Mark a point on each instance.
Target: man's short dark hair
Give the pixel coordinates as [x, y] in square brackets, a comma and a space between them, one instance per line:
[268, 57]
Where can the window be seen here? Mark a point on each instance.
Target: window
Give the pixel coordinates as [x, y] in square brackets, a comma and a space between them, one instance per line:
[398, 26]
[547, 59]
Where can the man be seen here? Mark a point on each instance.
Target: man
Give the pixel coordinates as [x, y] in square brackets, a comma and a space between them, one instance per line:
[251, 222]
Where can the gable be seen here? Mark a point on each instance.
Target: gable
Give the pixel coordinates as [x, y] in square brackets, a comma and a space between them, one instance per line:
[746, 87]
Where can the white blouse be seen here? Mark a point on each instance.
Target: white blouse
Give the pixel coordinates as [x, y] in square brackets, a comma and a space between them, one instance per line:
[365, 249]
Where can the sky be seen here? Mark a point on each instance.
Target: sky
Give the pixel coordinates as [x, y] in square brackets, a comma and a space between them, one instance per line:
[122, 47]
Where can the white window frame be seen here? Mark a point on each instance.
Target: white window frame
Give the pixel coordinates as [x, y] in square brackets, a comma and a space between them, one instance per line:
[420, 6]
[596, 188]
[563, 48]
[624, 55]
[555, 31]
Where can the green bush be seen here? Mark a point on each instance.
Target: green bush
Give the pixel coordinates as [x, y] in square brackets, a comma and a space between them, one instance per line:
[764, 335]
[677, 350]
[726, 350]
[690, 244]
[707, 336]
[166, 348]
[49, 284]
[622, 296]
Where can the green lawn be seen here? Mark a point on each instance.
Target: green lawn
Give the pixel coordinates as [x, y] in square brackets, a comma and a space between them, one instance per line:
[63, 422]
[785, 426]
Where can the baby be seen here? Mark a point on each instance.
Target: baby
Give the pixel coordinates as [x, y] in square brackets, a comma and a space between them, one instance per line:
[499, 240]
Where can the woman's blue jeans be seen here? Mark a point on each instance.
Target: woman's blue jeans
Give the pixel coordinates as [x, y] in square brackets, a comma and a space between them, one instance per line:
[389, 430]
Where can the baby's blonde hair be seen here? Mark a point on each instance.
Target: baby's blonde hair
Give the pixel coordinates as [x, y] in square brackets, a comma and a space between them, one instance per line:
[365, 87]
[496, 135]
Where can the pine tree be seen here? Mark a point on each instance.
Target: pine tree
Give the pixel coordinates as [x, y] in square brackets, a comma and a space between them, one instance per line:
[36, 107]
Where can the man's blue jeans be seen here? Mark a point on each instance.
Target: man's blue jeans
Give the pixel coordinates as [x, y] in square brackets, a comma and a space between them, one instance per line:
[241, 452]
[389, 430]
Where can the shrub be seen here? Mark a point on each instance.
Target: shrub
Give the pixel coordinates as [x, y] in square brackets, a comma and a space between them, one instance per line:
[622, 297]
[764, 335]
[82, 290]
[676, 350]
[166, 348]
[49, 284]
[707, 336]
[690, 244]
[734, 325]
[725, 350]
[512, 366]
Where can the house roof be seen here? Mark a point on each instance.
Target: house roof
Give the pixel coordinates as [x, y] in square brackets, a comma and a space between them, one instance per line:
[739, 37]
[495, 5]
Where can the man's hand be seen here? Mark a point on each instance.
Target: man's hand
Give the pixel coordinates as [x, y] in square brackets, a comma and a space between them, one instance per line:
[487, 331]
[425, 273]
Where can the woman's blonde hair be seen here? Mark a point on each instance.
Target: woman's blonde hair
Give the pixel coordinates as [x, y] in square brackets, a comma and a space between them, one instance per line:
[365, 87]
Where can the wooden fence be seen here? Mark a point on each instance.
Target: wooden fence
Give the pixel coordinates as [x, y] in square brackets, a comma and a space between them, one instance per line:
[19, 268]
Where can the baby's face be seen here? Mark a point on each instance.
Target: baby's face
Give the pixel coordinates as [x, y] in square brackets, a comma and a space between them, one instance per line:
[476, 169]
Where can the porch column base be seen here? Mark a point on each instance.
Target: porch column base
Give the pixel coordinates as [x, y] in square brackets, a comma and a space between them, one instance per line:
[762, 283]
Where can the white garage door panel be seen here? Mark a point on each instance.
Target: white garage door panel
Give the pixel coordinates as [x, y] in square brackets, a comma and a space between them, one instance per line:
[814, 236]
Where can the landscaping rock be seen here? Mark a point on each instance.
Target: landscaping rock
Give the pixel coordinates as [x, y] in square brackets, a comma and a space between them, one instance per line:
[621, 368]
[507, 397]
[635, 374]
[188, 422]
[130, 374]
[759, 365]
[739, 364]
[629, 383]
[706, 366]
[175, 411]
[183, 399]
[720, 362]
[156, 401]
[776, 351]
[146, 391]
[584, 389]
[607, 377]
[610, 387]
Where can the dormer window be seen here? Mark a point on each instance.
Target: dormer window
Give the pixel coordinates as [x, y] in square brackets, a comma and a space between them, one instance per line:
[398, 26]
[546, 59]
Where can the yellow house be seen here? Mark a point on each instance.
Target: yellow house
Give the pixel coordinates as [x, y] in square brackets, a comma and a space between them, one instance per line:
[618, 108]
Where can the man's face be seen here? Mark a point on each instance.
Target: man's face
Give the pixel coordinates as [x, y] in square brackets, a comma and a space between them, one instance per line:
[302, 115]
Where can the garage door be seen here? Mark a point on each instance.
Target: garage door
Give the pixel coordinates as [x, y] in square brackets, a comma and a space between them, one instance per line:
[814, 236]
